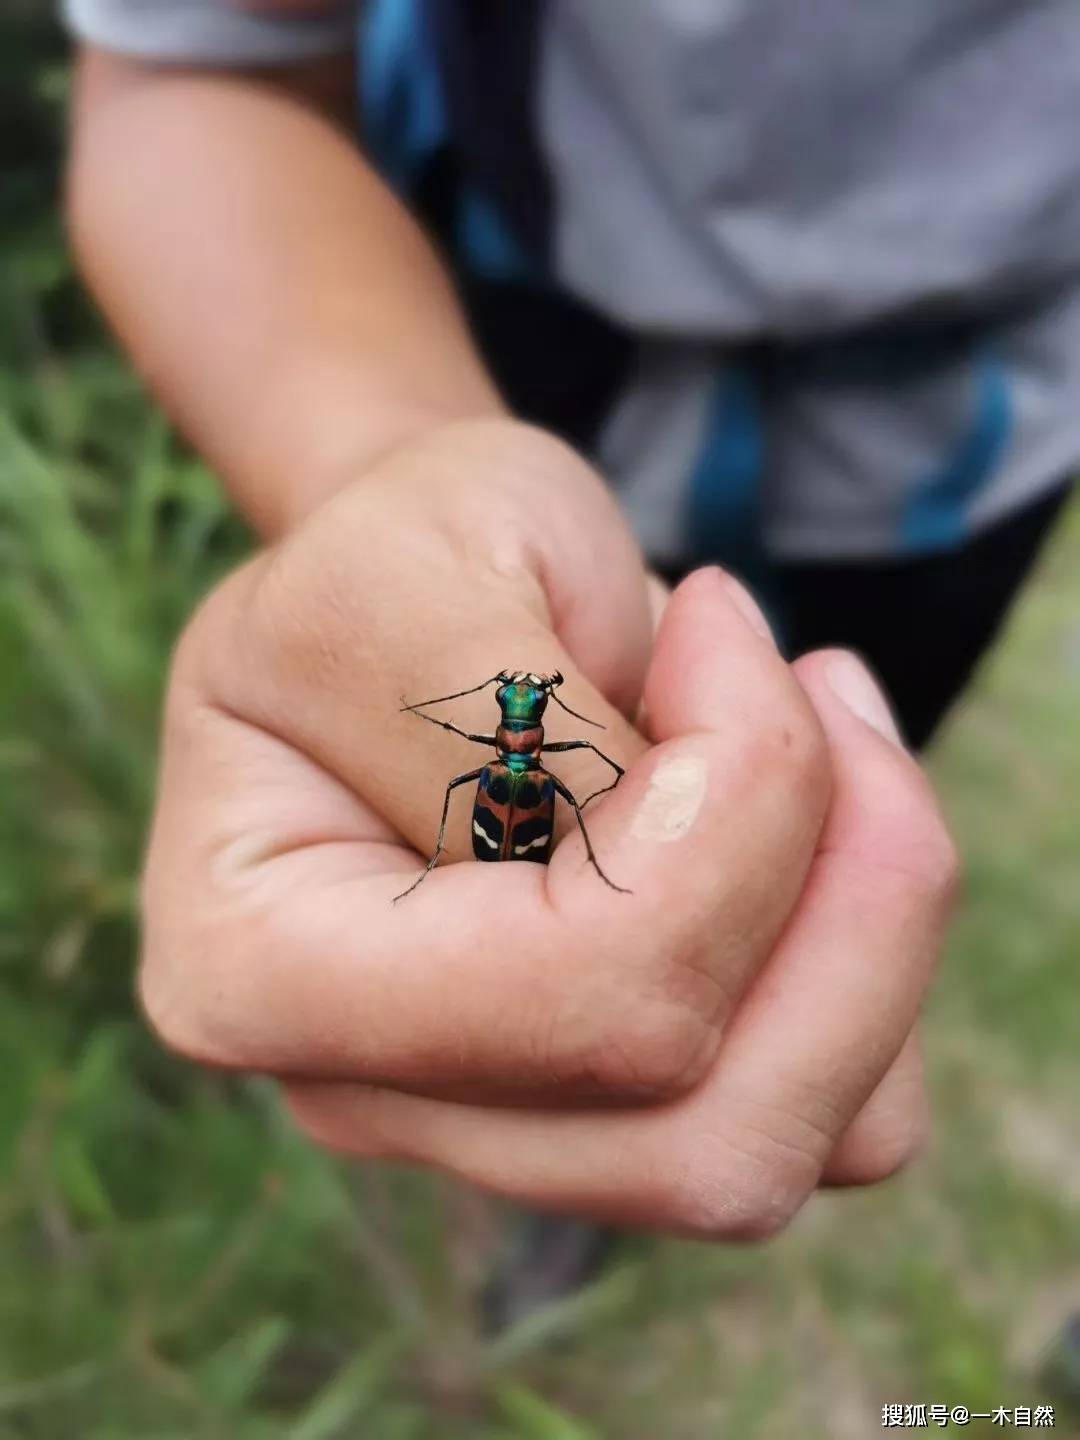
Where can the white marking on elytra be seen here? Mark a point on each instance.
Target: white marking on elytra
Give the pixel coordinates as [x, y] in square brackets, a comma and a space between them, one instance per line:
[479, 830]
[533, 844]
[675, 794]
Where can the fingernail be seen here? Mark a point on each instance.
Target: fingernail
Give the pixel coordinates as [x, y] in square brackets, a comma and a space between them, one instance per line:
[749, 607]
[851, 682]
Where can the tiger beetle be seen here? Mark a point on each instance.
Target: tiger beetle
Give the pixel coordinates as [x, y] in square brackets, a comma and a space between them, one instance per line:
[515, 796]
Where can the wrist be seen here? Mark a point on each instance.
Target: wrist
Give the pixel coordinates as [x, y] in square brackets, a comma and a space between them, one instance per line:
[278, 491]
[464, 462]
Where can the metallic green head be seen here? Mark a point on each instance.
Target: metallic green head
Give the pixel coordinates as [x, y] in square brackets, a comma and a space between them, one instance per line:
[524, 696]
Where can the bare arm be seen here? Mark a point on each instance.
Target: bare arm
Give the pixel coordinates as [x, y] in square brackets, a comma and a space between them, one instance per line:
[285, 308]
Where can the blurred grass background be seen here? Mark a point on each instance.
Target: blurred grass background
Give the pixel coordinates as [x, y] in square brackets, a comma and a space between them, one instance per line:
[175, 1262]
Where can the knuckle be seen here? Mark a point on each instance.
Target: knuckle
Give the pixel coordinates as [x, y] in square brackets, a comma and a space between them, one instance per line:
[216, 619]
[311, 1119]
[173, 1014]
[735, 1200]
[892, 1148]
[656, 1050]
[344, 1121]
[906, 1144]
[744, 1179]
[761, 1217]
[946, 865]
[919, 841]
[180, 986]
[896, 1149]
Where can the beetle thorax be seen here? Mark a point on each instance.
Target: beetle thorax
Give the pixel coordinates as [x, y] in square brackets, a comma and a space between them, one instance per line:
[519, 737]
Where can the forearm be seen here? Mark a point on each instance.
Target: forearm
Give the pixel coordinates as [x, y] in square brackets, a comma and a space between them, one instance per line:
[287, 311]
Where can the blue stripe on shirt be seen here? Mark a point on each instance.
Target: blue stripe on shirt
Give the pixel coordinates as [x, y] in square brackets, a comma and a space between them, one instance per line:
[935, 517]
[722, 517]
[402, 109]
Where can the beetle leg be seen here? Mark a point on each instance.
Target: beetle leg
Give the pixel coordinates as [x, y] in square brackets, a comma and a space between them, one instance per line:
[457, 780]
[588, 745]
[566, 795]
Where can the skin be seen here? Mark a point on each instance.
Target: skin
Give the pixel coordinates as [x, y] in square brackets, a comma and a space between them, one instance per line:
[697, 1055]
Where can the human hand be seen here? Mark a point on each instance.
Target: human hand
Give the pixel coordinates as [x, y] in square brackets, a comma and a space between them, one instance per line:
[760, 980]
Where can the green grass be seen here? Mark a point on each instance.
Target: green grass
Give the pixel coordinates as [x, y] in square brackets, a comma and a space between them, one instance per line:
[176, 1262]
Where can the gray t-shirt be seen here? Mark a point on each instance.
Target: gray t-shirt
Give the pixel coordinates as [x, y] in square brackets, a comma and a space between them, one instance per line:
[725, 171]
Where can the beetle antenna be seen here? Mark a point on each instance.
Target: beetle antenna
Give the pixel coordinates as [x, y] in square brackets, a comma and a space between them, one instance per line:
[455, 696]
[575, 713]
